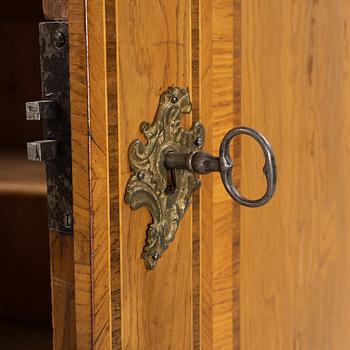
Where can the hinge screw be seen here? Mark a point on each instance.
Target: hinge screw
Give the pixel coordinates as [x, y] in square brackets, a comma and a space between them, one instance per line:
[59, 39]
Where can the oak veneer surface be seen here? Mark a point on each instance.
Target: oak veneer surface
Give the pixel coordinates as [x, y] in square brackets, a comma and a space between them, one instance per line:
[119, 67]
[154, 52]
[62, 291]
[295, 275]
[219, 111]
[80, 171]
[89, 106]
[157, 55]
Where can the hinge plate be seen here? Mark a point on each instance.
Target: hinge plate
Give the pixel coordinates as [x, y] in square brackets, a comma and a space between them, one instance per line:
[54, 60]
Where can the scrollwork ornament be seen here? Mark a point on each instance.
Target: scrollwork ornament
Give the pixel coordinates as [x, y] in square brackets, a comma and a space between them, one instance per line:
[166, 194]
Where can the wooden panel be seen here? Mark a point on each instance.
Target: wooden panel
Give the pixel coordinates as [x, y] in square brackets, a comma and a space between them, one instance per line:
[110, 96]
[99, 181]
[196, 306]
[114, 178]
[219, 111]
[89, 99]
[80, 169]
[296, 251]
[62, 291]
[153, 52]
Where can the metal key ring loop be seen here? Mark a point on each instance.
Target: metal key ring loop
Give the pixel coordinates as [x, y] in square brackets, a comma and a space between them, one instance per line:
[226, 167]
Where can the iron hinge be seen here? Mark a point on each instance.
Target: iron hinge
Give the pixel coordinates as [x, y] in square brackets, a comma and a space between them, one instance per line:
[54, 112]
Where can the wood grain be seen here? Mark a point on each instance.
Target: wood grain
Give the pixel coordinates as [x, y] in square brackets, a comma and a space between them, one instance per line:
[295, 277]
[219, 217]
[195, 99]
[236, 156]
[114, 177]
[154, 51]
[99, 175]
[62, 290]
[119, 304]
[80, 169]
[90, 134]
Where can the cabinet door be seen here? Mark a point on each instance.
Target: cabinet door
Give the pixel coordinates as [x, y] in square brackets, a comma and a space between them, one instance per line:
[270, 278]
[295, 268]
[123, 55]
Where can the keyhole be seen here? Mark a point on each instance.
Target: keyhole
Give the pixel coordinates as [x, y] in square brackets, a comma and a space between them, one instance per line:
[67, 220]
[171, 182]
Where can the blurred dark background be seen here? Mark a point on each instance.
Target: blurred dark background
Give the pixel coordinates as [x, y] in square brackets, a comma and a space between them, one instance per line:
[25, 310]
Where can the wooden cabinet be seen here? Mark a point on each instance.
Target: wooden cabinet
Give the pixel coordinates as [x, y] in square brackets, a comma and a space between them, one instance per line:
[128, 53]
[274, 278]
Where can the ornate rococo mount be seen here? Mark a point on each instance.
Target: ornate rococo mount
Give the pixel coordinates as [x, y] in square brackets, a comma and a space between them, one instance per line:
[166, 193]
[165, 170]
